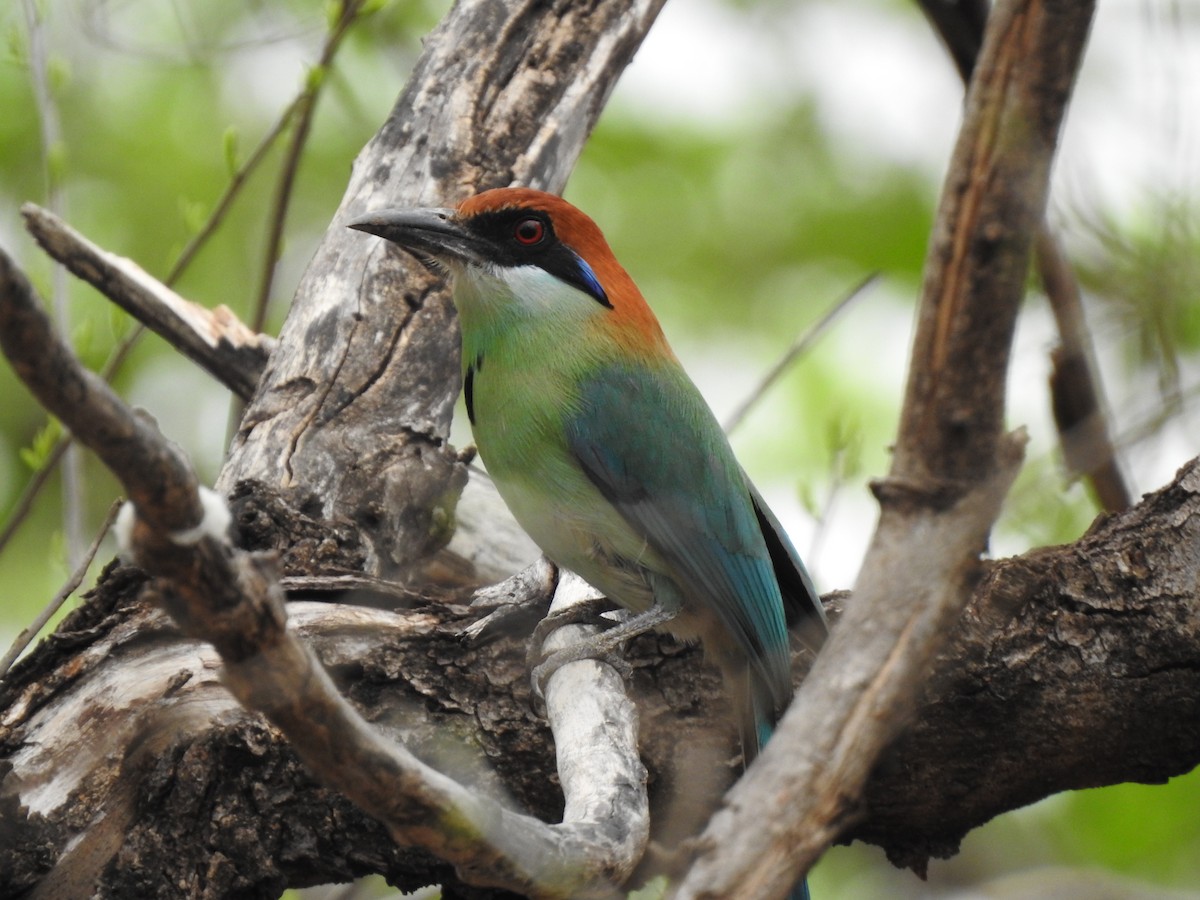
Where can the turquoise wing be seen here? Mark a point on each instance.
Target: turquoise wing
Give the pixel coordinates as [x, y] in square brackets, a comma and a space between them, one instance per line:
[652, 447]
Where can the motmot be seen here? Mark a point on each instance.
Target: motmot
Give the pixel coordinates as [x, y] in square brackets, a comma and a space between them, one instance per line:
[602, 446]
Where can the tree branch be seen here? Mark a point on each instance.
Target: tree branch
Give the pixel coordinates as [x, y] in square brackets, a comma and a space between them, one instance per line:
[953, 464]
[232, 599]
[1086, 656]
[1075, 386]
[216, 340]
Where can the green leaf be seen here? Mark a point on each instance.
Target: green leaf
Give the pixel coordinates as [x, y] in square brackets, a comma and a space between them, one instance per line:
[333, 13]
[37, 454]
[83, 338]
[15, 47]
[58, 74]
[194, 214]
[56, 164]
[314, 79]
[370, 7]
[230, 143]
[119, 321]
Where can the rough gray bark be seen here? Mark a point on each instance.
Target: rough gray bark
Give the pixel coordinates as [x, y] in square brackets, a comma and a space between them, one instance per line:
[356, 413]
[1084, 658]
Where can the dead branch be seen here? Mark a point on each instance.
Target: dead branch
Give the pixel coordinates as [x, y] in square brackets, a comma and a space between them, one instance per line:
[216, 340]
[1086, 656]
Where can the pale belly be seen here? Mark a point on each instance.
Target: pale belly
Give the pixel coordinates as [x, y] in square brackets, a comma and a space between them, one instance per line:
[522, 444]
[576, 527]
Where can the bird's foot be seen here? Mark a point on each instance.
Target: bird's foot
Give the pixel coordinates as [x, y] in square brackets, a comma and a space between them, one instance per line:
[599, 612]
[595, 611]
[595, 648]
[603, 647]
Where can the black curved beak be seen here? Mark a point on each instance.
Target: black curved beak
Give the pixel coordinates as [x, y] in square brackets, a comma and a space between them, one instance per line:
[427, 233]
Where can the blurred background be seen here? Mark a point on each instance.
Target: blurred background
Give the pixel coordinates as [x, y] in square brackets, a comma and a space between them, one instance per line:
[757, 161]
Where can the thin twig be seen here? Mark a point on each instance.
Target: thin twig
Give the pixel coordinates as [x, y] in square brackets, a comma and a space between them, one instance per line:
[306, 104]
[1075, 388]
[232, 189]
[30, 631]
[53, 148]
[798, 347]
[24, 504]
[121, 352]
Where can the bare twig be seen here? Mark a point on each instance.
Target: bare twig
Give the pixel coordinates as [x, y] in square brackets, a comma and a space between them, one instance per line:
[30, 631]
[53, 160]
[1079, 414]
[304, 107]
[799, 346]
[232, 189]
[24, 505]
[952, 467]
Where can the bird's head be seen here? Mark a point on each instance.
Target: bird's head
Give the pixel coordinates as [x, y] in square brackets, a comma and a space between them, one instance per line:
[519, 249]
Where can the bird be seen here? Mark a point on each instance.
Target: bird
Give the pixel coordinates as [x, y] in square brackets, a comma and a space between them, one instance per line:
[604, 449]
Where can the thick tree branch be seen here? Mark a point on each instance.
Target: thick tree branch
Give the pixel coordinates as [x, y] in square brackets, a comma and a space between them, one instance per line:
[1075, 386]
[953, 464]
[1047, 683]
[1086, 656]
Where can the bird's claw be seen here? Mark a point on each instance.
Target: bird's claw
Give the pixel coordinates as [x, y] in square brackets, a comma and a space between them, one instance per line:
[595, 648]
[585, 612]
[592, 611]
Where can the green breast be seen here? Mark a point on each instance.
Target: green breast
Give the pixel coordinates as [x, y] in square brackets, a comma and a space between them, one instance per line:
[522, 389]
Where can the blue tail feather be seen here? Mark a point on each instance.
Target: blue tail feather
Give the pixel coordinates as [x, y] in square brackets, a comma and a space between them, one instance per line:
[765, 728]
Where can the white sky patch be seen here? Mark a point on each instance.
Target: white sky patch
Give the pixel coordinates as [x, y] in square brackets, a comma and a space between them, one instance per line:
[882, 81]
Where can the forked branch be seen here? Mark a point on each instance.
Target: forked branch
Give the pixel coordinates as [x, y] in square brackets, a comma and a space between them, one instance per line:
[953, 465]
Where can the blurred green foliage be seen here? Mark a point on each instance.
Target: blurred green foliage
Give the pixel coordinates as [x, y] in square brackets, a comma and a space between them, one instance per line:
[741, 234]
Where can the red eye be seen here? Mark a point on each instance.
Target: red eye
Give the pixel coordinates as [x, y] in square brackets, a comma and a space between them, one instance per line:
[529, 232]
